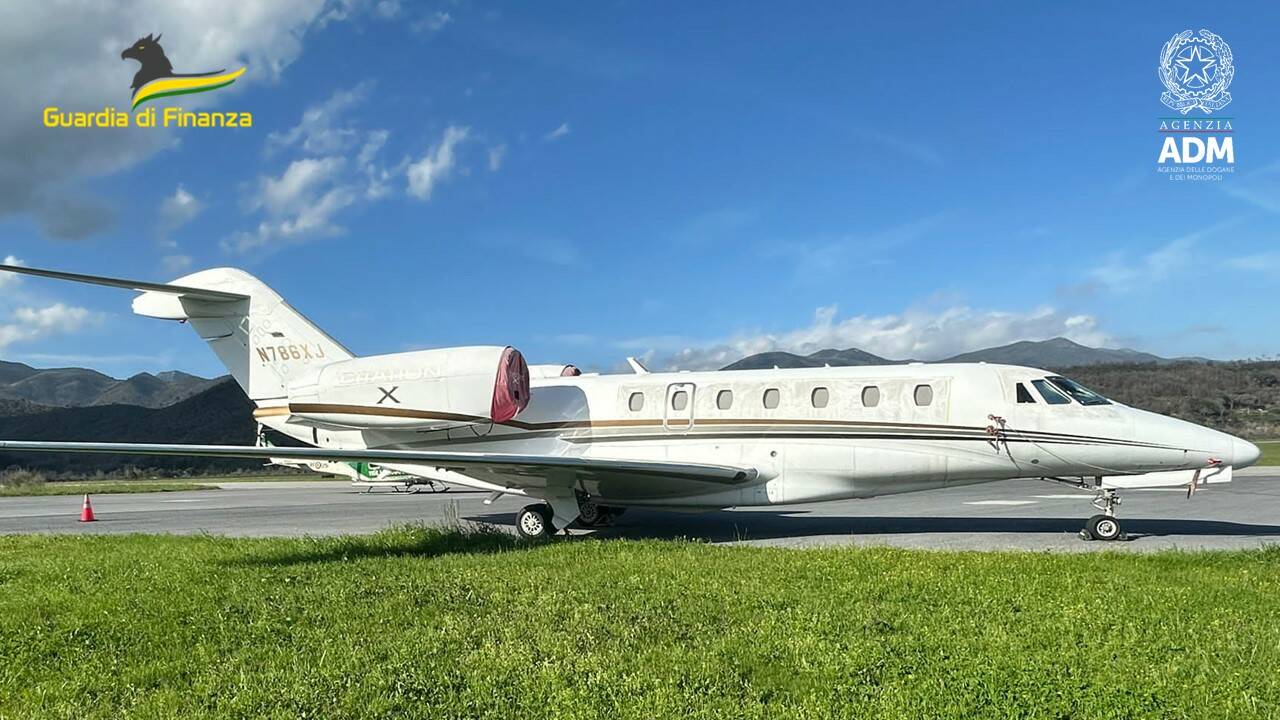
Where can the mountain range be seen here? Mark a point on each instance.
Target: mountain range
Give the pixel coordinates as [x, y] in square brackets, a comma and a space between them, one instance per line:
[79, 387]
[1055, 353]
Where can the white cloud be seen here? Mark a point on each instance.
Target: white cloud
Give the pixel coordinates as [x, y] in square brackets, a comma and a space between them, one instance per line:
[73, 48]
[557, 133]
[319, 131]
[298, 205]
[8, 278]
[433, 22]
[496, 154]
[1122, 273]
[915, 334]
[295, 188]
[176, 210]
[436, 166]
[176, 264]
[387, 9]
[1257, 262]
[27, 324]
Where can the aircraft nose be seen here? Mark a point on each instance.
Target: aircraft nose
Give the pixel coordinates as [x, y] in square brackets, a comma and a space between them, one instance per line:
[1244, 453]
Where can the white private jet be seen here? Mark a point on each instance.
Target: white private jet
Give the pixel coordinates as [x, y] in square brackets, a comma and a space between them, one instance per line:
[588, 446]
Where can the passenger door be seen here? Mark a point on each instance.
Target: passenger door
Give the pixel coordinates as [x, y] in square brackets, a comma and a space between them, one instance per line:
[678, 413]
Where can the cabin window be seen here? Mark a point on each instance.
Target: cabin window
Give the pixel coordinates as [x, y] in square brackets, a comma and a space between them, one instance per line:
[771, 398]
[1051, 396]
[1024, 395]
[724, 399]
[679, 400]
[636, 403]
[1082, 394]
[820, 397]
[870, 396]
[924, 395]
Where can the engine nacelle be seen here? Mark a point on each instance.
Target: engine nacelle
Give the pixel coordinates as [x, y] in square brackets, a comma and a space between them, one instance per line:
[422, 390]
[539, 372]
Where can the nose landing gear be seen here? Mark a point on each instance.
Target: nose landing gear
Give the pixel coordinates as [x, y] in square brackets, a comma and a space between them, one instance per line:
[1104, 526]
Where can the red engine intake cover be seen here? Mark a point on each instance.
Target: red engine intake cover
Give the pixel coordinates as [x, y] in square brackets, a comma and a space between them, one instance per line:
[511, 390]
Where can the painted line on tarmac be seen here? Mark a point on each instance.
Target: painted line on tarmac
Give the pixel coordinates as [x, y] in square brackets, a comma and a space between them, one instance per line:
[1001, 502]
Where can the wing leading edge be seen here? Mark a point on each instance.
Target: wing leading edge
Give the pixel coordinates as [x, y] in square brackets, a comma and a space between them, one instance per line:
[514, 470]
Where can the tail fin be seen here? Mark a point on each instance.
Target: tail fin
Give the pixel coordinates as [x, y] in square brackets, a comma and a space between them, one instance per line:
[261, 339]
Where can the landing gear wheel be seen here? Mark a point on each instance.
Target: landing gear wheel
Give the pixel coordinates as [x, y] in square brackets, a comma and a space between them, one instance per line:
[591, 514]
[533, 522]
[1103, 527]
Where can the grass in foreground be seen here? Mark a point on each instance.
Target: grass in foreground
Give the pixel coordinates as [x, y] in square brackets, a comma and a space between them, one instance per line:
[100, 488]
[433, 623]
[1270, 452]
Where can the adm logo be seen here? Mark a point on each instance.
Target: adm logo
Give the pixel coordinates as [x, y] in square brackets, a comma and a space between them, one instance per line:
[1196, 68]
[156, 78]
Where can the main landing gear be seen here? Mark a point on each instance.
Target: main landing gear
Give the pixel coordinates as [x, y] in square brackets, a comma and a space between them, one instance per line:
[537, 521]
[1104, 526]
[533, 522]
[592, 514]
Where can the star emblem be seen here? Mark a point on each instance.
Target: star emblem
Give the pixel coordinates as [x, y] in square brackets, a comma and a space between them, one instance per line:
[1196, 66]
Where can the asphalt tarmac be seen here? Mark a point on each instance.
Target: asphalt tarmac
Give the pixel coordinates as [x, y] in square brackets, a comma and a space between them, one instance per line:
[1027, 515]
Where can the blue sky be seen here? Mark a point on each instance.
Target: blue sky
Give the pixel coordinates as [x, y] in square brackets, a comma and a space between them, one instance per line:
[684, 183]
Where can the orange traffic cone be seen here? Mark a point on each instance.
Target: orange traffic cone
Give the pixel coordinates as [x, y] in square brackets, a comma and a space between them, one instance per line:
[86, 512]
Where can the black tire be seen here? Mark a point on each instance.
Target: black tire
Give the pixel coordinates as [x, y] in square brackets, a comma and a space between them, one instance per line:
[592, 514]
[1103, 527]
[533, 522]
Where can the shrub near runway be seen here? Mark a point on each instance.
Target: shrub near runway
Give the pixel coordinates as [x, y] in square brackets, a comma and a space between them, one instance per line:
[431, 623]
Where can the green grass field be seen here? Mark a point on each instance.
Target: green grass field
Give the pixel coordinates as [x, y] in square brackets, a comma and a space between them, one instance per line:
[108, 487]
[1270, 452]
[446, 624]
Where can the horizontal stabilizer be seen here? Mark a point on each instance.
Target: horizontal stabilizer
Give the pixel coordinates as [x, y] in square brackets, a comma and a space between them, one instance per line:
[138, 285]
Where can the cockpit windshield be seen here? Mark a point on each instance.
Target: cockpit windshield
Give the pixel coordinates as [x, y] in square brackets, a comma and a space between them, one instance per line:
[1080, 393]
[1051, 396]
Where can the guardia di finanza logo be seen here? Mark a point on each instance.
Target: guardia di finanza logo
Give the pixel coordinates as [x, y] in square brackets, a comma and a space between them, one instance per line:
[156, 79]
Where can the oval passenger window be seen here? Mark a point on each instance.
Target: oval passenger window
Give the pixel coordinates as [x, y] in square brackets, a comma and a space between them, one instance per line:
[680, 400]
[636, 403]
[771, 398]
[821, 396]
[724, 399]
[870, 396]
[924, 395]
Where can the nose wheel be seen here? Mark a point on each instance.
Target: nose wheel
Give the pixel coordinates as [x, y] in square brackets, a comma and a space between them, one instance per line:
[1104, 526]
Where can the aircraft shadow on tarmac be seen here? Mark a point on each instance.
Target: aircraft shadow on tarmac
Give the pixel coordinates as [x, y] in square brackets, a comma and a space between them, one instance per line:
[756, 525]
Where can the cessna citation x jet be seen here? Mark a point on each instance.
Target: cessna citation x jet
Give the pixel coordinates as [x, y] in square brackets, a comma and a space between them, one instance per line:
[584, 447]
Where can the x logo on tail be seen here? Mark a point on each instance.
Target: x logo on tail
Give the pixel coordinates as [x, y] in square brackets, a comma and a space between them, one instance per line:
[388, 395]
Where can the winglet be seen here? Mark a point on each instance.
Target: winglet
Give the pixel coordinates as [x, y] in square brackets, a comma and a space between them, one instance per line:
[138, 285]
[636, 367]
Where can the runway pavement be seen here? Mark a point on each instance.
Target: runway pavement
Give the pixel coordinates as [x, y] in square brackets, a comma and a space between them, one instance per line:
[1029, 515]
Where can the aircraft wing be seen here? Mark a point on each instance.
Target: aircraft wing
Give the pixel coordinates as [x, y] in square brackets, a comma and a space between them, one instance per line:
[508, 471]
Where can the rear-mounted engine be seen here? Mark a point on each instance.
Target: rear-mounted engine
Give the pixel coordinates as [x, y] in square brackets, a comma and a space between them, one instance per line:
[423, 390]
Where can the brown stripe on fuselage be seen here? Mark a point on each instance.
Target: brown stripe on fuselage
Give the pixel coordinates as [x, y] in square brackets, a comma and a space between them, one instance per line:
[686, 427]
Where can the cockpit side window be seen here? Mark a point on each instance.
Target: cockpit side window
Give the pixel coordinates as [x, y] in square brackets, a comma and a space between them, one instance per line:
[1082, 394]
[1051, 396]
[1024, 395]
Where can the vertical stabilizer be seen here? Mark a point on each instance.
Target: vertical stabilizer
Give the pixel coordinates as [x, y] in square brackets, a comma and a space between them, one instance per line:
[261, 340]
